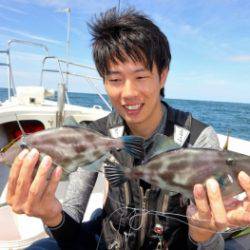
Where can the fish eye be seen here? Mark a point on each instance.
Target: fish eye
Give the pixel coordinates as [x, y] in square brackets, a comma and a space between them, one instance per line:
[23, 145]
[230, 162]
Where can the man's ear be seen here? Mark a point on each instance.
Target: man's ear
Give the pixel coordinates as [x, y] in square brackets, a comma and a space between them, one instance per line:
[163, 77]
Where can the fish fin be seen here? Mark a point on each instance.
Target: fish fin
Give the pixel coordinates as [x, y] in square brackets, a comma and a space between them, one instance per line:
[95, 166]
[161, 144]
[225, 148]
[134, 145]
[70, 121]
[20, 126]
[22, 143]
[114, 173]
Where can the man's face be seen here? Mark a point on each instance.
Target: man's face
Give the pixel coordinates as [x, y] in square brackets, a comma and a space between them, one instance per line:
[135, 92]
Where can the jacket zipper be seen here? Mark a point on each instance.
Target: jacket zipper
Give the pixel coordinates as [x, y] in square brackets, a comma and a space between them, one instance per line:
[144, 216]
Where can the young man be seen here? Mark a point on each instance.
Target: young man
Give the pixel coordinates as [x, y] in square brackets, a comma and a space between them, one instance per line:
[132, 55]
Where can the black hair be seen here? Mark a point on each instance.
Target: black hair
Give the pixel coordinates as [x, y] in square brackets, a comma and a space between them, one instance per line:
[118, 34]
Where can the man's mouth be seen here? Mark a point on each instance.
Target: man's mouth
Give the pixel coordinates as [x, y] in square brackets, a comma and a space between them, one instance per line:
[133, 109]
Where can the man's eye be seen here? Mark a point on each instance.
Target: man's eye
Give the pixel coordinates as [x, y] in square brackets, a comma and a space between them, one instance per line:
[114, 80]
[141, 77]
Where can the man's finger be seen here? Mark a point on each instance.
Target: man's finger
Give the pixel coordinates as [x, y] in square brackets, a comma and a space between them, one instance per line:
[216, 204]
[244, 180]
[14, 174]
[239, 217]
[26, 173]
[39, 184]
[53, 183]
[201, 202]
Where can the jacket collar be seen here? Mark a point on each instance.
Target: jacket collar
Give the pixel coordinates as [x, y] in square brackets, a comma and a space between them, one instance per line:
[116, 125]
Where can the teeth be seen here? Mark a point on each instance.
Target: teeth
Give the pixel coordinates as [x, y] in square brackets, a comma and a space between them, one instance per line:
[133, 107]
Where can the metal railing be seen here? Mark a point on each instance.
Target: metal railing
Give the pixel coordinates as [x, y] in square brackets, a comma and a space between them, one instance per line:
[60, 62]
[90, 79]
[10, 44]
[11, 87]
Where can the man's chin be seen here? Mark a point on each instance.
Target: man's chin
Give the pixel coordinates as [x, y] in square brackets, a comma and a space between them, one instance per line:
[133, 121]
[130, 118]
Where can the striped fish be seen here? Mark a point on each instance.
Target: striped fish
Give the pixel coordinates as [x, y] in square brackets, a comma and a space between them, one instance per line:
[180, 169]
[72, 146]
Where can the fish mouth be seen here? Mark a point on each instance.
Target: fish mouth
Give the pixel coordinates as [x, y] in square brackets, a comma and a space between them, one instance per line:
[2, 158]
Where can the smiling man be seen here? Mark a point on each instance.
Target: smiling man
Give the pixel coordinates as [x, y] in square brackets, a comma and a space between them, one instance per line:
[134, 92]
[132, 56]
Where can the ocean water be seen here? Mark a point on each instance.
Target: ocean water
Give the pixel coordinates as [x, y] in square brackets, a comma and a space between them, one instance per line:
[223, 116]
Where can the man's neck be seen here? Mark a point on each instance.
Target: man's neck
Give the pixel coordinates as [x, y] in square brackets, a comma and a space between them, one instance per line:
[146, 130]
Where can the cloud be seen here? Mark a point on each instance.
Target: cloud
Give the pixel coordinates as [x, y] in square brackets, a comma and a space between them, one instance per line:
[76, 5]
[27, 56]
[31, 36]
[7, 18]
[240, 58]
[187, 29]
[18, 11]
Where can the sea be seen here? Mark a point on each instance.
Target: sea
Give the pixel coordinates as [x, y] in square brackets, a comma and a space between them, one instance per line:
[223, 116]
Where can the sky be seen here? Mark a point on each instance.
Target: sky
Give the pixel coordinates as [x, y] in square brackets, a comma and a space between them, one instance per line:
[209, 40]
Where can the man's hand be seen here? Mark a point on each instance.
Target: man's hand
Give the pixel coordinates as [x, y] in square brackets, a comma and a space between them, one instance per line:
[34, 196]
[210, 215]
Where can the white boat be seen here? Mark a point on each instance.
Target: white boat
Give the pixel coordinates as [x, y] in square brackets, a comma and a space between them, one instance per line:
[30, 106]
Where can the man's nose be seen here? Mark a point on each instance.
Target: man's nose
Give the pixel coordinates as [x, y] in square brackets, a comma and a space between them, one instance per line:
[129, 89]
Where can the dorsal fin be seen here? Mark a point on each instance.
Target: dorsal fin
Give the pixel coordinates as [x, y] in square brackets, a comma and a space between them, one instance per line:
[227, 140]
[20, 126]
[162, 143]
[23, 137]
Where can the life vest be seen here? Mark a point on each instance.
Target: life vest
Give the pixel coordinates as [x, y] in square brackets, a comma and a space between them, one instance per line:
[126, 224]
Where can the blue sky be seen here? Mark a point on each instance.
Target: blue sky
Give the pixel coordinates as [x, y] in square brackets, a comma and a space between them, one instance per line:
[210, 42]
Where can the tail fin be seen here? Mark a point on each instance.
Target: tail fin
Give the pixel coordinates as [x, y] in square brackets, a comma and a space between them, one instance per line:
[134, 146]
[115, 174]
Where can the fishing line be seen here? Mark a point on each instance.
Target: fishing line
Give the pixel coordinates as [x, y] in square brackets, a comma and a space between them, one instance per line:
[168, 215]
[109, 218]
[134, 217]
[131, 228]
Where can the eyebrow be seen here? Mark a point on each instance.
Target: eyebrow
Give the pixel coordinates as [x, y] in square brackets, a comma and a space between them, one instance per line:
[115, 72]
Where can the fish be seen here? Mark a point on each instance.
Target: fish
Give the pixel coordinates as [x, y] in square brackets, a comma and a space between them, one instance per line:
[179, 169]
[71, 147]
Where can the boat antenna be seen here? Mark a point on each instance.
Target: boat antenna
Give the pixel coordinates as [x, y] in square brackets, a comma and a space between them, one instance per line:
[68, 11]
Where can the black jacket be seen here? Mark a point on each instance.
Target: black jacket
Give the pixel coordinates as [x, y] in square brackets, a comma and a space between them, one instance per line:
[122, 227]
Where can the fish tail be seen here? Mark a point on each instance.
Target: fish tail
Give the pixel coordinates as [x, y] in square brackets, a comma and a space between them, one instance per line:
[134, 146]
[115, 174]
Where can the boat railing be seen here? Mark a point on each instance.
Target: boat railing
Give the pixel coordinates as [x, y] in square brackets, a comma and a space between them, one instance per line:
[29, 43]
[90, 79]
[11, 86]
[8, 64]
[64, 74]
